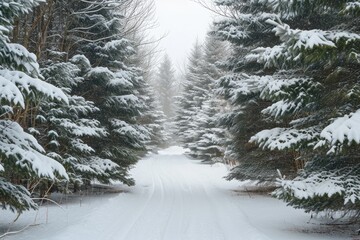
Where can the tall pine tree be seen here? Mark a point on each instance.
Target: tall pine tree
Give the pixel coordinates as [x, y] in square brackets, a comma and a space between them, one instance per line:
[245, 29]
[302, 97]
[165, 86]
[189, 103]
[208, 138]
[22, 157]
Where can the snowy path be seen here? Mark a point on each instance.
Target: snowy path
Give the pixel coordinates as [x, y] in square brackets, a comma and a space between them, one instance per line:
[177, 198]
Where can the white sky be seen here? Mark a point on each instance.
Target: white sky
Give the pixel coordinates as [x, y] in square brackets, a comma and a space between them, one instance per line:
[184, 21]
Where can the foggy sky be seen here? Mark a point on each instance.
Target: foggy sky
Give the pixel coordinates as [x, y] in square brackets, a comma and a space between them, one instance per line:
[184, 21]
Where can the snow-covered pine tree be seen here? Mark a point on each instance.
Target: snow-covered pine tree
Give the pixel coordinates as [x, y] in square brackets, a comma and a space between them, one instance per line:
[153, 119]
[189, 101]
[23, 160]
[245, 29]
[56, 32]
[68, 126]
[318, 106]
[208, 145]
[114, 87]
[75, 25]
[165, 86]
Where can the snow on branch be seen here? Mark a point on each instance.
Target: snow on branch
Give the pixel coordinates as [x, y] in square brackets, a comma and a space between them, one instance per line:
[343, 130]
[337, 36]
[99, 167]
[17, 195]
[275, 87]
[342, 182]
[81, 127]
[103, 166]
[21, 57]
[284, 138]
[20, 6]
[131, 131]
[80, 146]
[280, 108]
[292, 95]
[317, 184]
[100, 74]
[296, 41]
[22, 149]
[120, 44]
[351, 7]
[125, 101]
[307, 39]
[29, 84]
[121, 79]
[78, 105]
[228, 29]
[268, 56]
[239, 28]
[236, 86]
[10, 92]
[81, 61]
[269, 87]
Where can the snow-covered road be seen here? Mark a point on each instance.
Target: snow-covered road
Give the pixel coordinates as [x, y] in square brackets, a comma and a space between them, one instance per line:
[175, 198]
[181, 199]
[178, 198]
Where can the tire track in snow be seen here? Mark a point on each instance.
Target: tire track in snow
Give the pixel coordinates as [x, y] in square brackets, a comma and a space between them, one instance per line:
[219, 233]
[175, 199]
[153, 209]
[229, 207]
[139, 214]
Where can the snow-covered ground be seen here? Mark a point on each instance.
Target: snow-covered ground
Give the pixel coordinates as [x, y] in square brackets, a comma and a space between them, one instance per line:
[175, 198]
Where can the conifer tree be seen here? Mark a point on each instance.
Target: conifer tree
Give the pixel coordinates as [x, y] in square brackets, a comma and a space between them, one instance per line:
[100, 115]
[22, 157]
[154, 119]
[245, 29]
[165, 83]
[68, 126]
[109, 85]
[209, 140]
[152, 116]
[209, 147]
[189, 103]
[115, 86]
[320, 104]
[306, 98]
